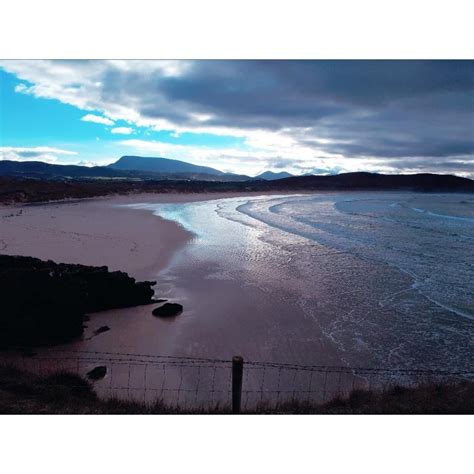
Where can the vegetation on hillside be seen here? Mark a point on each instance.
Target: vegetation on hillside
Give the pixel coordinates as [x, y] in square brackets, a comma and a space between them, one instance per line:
[19, 190]
[66, 393]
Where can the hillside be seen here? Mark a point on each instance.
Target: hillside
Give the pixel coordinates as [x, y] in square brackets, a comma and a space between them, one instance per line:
[16, 190]
[41, 170]
[139, 174]
[46, 171]
[23, 392]
[375, 181]
[160, 165]
[270, 175]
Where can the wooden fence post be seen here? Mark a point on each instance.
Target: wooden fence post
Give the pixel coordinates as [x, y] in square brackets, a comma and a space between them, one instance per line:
[237, 375]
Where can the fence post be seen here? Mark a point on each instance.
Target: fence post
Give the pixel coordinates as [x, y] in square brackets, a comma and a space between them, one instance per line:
[237, 375]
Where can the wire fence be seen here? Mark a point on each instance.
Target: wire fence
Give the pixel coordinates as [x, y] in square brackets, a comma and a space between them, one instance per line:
[203, 383]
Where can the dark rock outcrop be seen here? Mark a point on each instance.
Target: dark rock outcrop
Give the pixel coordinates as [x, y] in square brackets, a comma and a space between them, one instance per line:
[101, 330]
[97, 373]
[168, 310]
[43, 302]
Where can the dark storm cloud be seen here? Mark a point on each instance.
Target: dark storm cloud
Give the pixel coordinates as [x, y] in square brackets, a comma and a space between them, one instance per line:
[290, 85]
[462, 165]
[391, 111]
[282, 94]
[282, 163]
[364, 108]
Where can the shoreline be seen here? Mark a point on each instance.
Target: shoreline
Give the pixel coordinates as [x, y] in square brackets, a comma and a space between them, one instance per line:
[144, 245]
[240, 295]
[104, 232]
[95, 232]
[79, 231]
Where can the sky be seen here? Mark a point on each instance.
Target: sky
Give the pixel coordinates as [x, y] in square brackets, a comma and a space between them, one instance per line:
[246, 117]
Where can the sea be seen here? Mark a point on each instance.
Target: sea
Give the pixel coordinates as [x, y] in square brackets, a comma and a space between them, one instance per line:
[357, 279]
[319, 294]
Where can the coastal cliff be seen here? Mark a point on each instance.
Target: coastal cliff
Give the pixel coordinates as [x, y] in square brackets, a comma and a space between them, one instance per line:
[43, 302]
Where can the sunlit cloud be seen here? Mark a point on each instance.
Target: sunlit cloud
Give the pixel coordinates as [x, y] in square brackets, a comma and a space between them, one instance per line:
[40, 153]
[89, 164]
[122, 130]
[251, 161]
[394, 116]
[97, 119]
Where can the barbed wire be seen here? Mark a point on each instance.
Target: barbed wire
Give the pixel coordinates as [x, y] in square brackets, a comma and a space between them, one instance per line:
[186, 381]
[194, 361]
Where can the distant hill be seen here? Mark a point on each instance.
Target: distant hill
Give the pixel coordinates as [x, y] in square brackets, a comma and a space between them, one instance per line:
[375, 182]
[41, 170]
[160, 165]
[46, 171]
[270, 175]
[34, 181]
[20, 189]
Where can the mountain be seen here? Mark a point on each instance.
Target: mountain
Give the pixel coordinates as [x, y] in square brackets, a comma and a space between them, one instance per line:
[46, 171]
[30, 180]
[378, 182]
[160, 165]
[41, 170]
[18, 189]
[270, 175]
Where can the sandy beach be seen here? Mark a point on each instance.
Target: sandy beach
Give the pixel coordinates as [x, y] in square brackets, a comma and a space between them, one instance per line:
[94, 232]
[99, 231]
[218, 315]
[104, 231]
[251, 284]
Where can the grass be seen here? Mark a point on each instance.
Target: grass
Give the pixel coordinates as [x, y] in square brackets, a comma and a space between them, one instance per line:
[66, 393]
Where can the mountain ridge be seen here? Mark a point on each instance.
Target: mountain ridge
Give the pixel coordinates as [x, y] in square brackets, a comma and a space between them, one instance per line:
[104, 179]
[271, 175]
[160, 165]
[26, 190]
[42, 170]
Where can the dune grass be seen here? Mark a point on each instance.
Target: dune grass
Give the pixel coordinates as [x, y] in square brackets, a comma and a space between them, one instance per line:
[67, 393]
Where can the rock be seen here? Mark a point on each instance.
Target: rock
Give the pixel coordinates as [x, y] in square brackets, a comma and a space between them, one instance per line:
[44, 302]
[69, 384]
[97, 373]
[168, 310]
[28, 353]
[101, 330]
[155, 301]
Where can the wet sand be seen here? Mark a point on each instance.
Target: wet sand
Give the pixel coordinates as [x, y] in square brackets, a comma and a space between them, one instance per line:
[246, 290]
[94, 232]
[99, 231]
[105, 232]
[221, 318]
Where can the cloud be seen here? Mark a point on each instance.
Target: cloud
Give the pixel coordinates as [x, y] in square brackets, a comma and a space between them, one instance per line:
[21, 88]
[97, 119]
[462, 165]
[381, 114]
[122, 130]
[40, 153]
[292, 158]
[89, 164]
